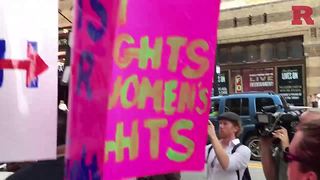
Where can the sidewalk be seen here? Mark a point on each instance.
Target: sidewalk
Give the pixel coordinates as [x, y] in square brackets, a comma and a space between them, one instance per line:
[255, 168]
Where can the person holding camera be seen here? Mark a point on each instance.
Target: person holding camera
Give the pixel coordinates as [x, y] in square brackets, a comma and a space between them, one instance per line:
[226, 158]
[274, 167]
[273, 160]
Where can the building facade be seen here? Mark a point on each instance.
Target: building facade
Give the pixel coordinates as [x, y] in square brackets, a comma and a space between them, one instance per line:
[260, 50]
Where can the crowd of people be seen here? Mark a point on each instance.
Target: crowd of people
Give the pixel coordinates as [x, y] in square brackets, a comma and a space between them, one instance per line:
[226, 157]
[295, 160]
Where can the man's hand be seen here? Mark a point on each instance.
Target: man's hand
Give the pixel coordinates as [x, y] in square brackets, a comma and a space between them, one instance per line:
[211, 130]
[282, 134]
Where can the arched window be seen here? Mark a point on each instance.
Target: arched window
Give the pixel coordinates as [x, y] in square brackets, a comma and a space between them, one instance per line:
[253, 53]
[238, 54]
[281, 50]
[295, 49]
[266, 51]
[223, 55]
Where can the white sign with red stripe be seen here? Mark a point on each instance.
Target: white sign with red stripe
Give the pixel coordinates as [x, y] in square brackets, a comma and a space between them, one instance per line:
[28, 79]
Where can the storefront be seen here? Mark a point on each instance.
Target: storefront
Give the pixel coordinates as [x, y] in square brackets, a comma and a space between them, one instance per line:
[274, 65]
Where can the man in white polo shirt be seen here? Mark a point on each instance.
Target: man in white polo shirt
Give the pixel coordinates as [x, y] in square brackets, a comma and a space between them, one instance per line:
[222, 163]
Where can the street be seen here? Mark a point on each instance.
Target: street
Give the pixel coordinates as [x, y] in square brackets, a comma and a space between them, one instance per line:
[255, 169]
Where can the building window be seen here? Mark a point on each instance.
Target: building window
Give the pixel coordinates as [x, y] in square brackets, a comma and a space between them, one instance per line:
[265, 18]
[250, 20]
[281, 50]
[295, 49]
[266, 51]
[235, 22]
[262, 50]
[223, 55]
[238, 54]
[253, 53]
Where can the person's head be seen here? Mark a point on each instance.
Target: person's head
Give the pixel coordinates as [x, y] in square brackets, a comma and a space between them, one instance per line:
[304, 157]
[229, 125]
[309, 115]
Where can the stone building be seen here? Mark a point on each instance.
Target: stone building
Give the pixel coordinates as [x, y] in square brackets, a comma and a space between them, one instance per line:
[260, 50]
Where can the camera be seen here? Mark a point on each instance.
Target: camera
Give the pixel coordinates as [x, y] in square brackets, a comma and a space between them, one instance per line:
[271, 119]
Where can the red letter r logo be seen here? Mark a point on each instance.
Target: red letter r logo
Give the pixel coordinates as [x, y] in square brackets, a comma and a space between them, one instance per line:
[299, 12]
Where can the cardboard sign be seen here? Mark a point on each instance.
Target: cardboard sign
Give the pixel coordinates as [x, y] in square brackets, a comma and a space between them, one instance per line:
[28, 79]
[142, 85]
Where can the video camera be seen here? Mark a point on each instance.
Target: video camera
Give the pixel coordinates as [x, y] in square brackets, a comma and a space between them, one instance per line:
[271, 119]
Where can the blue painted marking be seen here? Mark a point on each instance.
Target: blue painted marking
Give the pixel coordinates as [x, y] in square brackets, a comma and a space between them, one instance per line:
[35, 82]
[94, 32]
[2, 56]
[85, 75]
[80, 170]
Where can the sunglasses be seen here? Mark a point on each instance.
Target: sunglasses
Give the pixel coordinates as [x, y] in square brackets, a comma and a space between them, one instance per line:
[288, 157]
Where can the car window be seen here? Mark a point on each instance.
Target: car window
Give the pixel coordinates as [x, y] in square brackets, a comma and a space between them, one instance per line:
[245, 107]
[214, 111]
[261, 102]
[233, 105]
[238, 105]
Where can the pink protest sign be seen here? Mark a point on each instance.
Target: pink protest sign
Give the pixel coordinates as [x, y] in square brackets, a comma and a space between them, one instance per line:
[141, 87]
